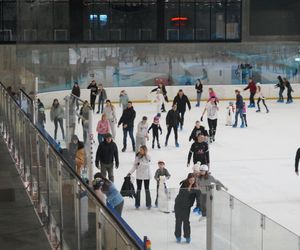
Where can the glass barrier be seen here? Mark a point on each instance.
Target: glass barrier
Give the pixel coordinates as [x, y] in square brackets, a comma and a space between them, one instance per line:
[71, 213]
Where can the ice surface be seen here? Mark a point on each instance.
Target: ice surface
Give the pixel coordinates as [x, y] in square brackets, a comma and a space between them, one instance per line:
[255, 163]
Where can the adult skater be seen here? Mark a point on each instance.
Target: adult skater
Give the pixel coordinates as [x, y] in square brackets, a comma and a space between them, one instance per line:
[172, 121]
[155, 126]
[181, 100]
[281, 87]
[103, 128]
[143, 174]
[76, 94]
[94, 91]
[76, 154]
[123, 99]
[113, 196]
[212, 118]
[239, 109]
[198, 129]
[110, 112]
[200, 151]
[199, 90]
[106, 153]
[289, 90]
[297, 161]
[84, 117]
[102, 97]
[141, 134]
[41, 117]
[183, 203]
[127, 121]
[57, 115]
[161, 86]
[252, 87]
[261, 97]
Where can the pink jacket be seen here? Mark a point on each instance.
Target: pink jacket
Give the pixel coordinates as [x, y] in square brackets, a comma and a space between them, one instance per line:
[213, 95]
[103, 127]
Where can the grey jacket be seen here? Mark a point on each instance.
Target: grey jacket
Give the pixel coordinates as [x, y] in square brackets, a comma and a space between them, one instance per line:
[56, 113]
[124, 100]
[203, 182]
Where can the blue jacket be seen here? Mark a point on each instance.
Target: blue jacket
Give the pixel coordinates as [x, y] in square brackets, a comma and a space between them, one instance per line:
[113, 196]
[239, 102]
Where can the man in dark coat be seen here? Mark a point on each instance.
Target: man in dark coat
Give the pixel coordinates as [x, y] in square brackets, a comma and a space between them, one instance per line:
[172, 120]
[181, 100]
[107, 152]
[239, 109]
[127, 120]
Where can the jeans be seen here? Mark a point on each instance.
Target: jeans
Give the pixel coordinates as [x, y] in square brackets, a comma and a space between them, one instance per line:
[239, 112]
[60, 121]
[92, 100]
[100, 138]
[130, 131]
[198, 98]
[138, 192]
[100, 103]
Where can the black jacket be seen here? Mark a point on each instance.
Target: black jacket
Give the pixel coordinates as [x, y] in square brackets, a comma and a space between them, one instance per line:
[185, 198]
[181, 103]
[155, 128]
[239, 102]
[106, 153]
[76, 91]
[297, 160]
[288, 86]
[200, 152]
[163, 90]
[127, 117]
[172, 118]
[198, 131]
[199, 88]
[93, 88]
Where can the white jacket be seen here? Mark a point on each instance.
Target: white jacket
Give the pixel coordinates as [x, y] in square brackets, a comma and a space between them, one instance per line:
[110, 114]
[142, 168]
[259, 93]
[142, 130]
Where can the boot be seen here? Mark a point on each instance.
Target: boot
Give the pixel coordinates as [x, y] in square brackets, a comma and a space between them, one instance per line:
[166, 143]
[153, 145]
[123, 149]
[177, 144]
[158, 145]
[257, 110]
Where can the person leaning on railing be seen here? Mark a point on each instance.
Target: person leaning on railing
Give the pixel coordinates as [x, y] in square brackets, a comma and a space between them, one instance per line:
[297, 161]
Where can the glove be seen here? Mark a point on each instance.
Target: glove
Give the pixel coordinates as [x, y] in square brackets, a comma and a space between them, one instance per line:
[128, 175]
[188, 165]
[117, 165]
[201, 119]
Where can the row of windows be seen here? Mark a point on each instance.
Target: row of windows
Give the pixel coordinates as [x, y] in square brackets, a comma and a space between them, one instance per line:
[167, 20]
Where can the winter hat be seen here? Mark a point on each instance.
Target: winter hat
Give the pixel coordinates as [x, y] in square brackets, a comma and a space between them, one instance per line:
[74, 137]
[203, 168]
[108, 135]
[144, 118]
[196, 167]
[161, 162]
[230, 103]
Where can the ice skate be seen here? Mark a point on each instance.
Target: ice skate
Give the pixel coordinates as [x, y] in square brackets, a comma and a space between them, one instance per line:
[124, 149]
[177, 144]
[178, 239]
[188, 240]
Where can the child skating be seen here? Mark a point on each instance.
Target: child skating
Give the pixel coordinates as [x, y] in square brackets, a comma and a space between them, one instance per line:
[229, 114]
[260, 97]
[155, 126]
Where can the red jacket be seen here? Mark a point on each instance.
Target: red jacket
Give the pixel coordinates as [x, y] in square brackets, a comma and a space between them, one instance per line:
[251, 86]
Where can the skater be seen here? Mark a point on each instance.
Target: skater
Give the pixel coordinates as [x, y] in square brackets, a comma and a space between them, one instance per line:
[245, 114]
[94, 92]
[141, 134]
[212, 95]
[181, 100]
[76, 154]
[57, 115]
[183, 203]
[123, 99]
[84, 117]
[143, 173]
[212, 118]
[155, 126]
[289, 91]
[261, 97]
[239, 109]
[172, 121]
[198, 129]
[229, 114]
[110, 112]
[41, 117]
[162, 88]
[159, 100]
[102, 97]
[113, 197]
[281, 87]
[106, 153]
[203, 180]
[76, 94]
[252, 87]
[161, 172]
[103, 128]
[297, 161]
[200, 151]
[199, 90]
[127, 121]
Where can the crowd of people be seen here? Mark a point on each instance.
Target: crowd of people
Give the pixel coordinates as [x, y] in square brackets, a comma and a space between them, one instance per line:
[192, 189]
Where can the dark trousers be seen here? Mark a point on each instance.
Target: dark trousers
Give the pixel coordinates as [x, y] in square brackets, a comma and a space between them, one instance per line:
[155, 137]
[201, 202]
[244, 120]
[181, 120]
[212, 124]
[130, 131]
[60, 121]
[138, 192]
[119, 208]
[92, 100]
[281, 94]
[239, 112]
[182, 216]
[175, 133]
[100, 103]
[75, 100]
[289, 96]
[264, 103]
[252, 98]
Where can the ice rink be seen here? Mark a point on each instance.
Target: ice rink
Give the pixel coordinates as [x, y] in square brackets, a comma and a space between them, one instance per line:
[256, 164]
